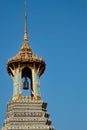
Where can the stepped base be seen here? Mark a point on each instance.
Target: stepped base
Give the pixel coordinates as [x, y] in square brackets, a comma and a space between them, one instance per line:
[27, 115]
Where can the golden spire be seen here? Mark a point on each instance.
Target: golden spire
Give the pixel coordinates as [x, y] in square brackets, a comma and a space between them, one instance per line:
[25, 55]
[25, 22]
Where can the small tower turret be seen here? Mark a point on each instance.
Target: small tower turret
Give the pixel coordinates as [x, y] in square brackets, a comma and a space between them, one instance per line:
[26, 65]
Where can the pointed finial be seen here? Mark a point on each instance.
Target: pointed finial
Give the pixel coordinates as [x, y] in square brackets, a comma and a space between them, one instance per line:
[25, 22]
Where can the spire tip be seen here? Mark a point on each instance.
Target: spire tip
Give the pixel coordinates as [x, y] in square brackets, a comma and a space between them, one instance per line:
[25, 22]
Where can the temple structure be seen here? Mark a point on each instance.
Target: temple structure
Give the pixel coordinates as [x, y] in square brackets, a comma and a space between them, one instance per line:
[26, 112]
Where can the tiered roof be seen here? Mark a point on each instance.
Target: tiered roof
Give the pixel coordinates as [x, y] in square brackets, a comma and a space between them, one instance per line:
[25, 54]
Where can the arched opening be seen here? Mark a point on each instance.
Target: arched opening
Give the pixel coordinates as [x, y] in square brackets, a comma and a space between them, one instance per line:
[26, 81]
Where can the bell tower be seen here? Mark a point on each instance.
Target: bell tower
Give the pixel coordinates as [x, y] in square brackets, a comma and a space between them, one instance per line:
[26, 65]
[26, 112]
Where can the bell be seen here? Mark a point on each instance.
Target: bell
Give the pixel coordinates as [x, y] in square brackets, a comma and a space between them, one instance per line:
[26, 84]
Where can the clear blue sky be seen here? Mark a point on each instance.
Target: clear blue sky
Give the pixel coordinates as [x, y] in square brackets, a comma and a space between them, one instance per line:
[57, 31]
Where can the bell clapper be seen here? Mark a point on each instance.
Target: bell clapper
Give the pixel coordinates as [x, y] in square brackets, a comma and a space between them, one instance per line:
[26, 84]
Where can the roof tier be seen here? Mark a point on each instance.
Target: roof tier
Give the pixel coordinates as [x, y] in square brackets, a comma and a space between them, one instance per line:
[26, 56]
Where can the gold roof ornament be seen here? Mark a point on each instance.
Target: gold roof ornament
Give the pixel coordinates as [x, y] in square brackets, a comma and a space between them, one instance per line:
[25, 54]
